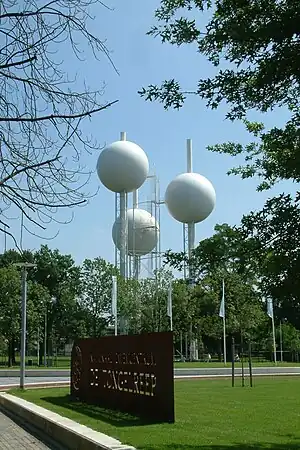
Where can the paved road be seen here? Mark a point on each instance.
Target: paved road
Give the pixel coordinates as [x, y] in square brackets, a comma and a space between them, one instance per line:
[13, 437]
[62, 374]
[14, 381]
[179, 373]
[7, 373]
[226, 371]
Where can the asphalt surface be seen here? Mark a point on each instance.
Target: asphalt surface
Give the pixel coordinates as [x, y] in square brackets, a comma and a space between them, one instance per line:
[226, 371]
[14, 381]
[59, 377]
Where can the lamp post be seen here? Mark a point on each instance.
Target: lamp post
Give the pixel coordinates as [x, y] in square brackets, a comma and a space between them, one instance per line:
[24, 267]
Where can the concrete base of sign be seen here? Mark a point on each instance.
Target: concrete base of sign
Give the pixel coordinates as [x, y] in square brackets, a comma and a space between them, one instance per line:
[65, 432]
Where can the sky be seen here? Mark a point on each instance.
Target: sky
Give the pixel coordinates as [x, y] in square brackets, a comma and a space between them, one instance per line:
[142, 60]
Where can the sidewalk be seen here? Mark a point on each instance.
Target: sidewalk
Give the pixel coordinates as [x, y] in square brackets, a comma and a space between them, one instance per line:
[13, 437]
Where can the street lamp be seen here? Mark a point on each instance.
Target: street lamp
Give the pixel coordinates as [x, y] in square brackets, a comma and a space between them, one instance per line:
[24, 266]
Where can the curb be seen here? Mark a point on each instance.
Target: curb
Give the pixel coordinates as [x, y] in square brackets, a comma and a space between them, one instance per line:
[71, 435]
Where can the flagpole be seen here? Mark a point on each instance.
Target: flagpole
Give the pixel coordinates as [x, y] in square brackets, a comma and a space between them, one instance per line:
[223, 315]
[224, 341]
[114, 303]
[224, 327]
[270, 312]
[274, 341]
[280, 335]
[116, 324]
[170, 306]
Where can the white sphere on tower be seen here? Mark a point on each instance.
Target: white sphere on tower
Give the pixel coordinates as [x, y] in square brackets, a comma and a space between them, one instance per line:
[122, 166]
[190, 198]
[143, 232]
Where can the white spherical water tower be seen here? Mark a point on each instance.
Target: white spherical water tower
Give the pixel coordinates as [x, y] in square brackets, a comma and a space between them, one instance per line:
[142, 235]
[190, 199]
[123, 167]
[142, 232]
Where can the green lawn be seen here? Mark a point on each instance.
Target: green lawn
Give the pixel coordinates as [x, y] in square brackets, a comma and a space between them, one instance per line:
[210, 415]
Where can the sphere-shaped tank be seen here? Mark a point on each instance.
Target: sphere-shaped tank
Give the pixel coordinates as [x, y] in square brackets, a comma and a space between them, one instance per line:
[143, 232]
[122, 166]
[190, 197]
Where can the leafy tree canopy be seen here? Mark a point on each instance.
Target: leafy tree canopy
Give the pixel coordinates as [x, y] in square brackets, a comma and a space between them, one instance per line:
[254, 46]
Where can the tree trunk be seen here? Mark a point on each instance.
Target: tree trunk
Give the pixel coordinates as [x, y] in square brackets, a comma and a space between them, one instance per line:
[13, 353]
[9, 353]
[95, 327]
[41, 357]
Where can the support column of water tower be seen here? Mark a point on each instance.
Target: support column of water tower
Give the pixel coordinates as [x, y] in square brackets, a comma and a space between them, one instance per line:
[190, 199]
[123, 168]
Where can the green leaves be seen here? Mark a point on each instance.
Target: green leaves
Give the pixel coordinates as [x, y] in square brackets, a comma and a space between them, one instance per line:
[259, 42]
[10, 304]
[260, 36]
[274, 158]
[169, 94]
[276, 231]
[57, 272]
[95, 293]
[230, 255]
[182, 31]
[256, 260]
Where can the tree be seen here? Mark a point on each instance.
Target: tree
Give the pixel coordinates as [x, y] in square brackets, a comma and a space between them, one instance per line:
[231, 256]
[276, 231]
[228, 250]
[184, 308]
[61, 277]
[37, 297]
[154, 294]
[10, 291]
[96, 289]
[57, 272]
[42, 110]
[259, 43]
[53, 289]
[290, 338]
[243, 304]
[130, 299]
[13, 256]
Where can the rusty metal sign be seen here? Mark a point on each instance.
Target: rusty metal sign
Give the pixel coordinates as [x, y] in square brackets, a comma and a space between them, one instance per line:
[133, 374]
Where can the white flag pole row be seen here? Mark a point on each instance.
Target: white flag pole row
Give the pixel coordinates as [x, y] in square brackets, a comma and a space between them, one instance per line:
[270, 313]
[222, 314]
[170, 306]
[114, 295]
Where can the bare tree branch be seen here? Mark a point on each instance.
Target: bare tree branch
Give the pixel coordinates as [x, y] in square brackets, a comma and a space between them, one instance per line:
[18, 63]
[57, 116]
[25, 169]
[43, 107]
